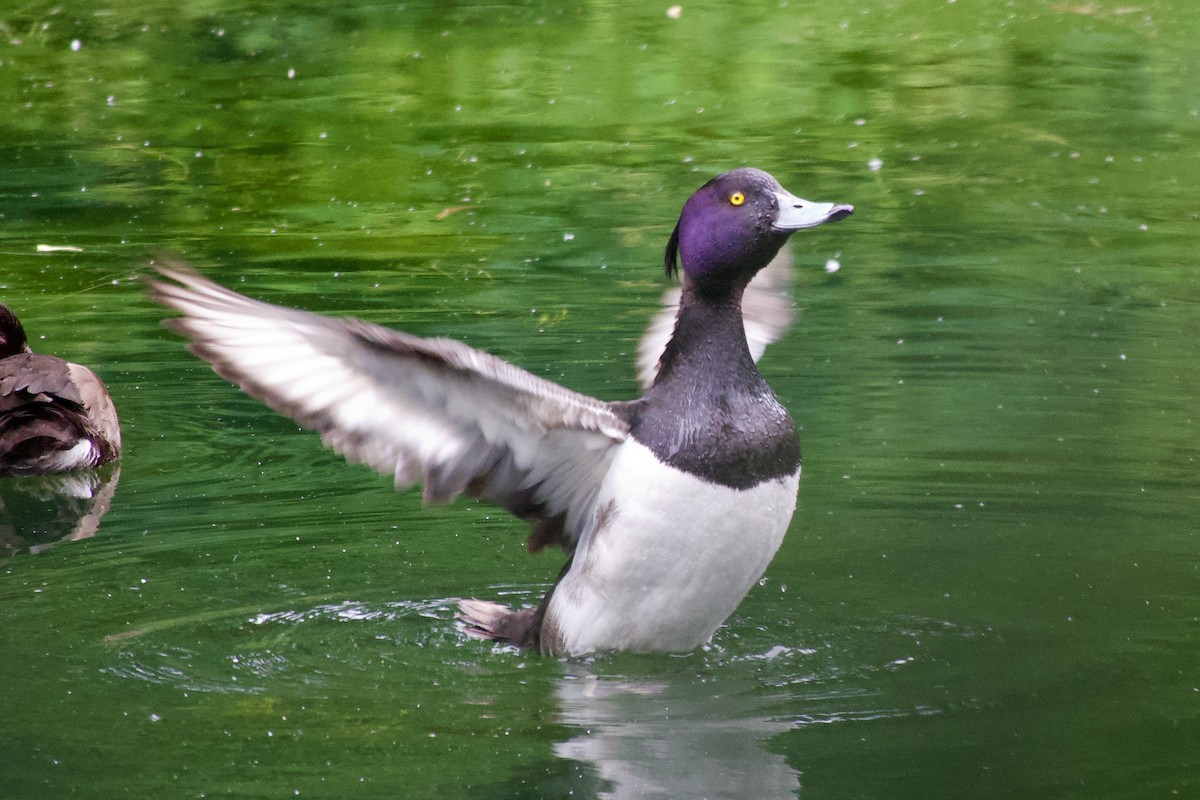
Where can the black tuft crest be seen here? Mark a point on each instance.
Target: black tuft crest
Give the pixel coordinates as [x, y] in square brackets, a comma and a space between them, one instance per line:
[671, 257]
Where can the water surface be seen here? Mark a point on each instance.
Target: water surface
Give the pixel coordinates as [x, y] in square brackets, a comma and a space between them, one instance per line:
[990, 586]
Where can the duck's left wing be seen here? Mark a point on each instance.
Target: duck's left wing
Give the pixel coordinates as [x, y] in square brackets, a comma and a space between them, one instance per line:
[430, 411]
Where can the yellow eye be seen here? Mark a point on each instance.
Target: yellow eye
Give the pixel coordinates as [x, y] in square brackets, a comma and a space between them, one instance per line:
[737, 198]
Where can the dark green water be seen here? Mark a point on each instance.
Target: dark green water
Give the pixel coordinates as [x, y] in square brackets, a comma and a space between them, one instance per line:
[992, 584]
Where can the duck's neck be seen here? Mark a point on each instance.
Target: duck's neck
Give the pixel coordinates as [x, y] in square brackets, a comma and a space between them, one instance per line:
[709, 340]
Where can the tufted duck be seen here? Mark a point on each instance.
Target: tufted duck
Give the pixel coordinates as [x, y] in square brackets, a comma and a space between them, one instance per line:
[669, 507]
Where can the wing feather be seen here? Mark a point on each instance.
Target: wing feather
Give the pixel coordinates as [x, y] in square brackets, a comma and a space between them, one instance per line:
[429, 411]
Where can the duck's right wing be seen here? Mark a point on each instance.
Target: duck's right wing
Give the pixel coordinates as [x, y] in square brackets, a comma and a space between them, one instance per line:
[429, 411]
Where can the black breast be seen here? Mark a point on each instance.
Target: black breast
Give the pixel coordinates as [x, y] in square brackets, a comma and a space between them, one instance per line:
[710, 412]
[733, 438]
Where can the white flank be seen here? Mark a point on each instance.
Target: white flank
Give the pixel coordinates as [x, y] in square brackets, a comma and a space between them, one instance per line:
[670, 561]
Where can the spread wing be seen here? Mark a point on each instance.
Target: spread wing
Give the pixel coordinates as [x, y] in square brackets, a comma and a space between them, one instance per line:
[767, 313]
[429, 411]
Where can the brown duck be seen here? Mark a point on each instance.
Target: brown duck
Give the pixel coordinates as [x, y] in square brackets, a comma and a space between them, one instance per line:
[55, 416]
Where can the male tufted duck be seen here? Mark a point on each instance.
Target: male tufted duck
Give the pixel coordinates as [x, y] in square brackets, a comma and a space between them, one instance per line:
[668, 507]
[55, 416]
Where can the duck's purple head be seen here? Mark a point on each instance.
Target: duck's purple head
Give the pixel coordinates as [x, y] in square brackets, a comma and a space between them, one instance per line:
[735, 224]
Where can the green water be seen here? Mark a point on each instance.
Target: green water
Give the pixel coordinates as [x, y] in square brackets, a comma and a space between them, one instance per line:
[991, 587]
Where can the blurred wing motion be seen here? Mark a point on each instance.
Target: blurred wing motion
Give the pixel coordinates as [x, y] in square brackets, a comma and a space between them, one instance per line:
[430, 411]
[767, 312]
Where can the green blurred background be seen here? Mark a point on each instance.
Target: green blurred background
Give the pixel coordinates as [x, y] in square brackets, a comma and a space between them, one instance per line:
[992, 582]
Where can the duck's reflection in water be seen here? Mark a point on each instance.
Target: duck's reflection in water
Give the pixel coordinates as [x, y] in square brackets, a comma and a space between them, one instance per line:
[39, 512]
[674, 739]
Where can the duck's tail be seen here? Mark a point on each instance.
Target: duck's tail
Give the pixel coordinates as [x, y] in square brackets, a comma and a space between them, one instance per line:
[483, 619]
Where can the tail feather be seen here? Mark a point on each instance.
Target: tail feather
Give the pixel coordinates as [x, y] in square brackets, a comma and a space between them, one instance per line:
[483, 619]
